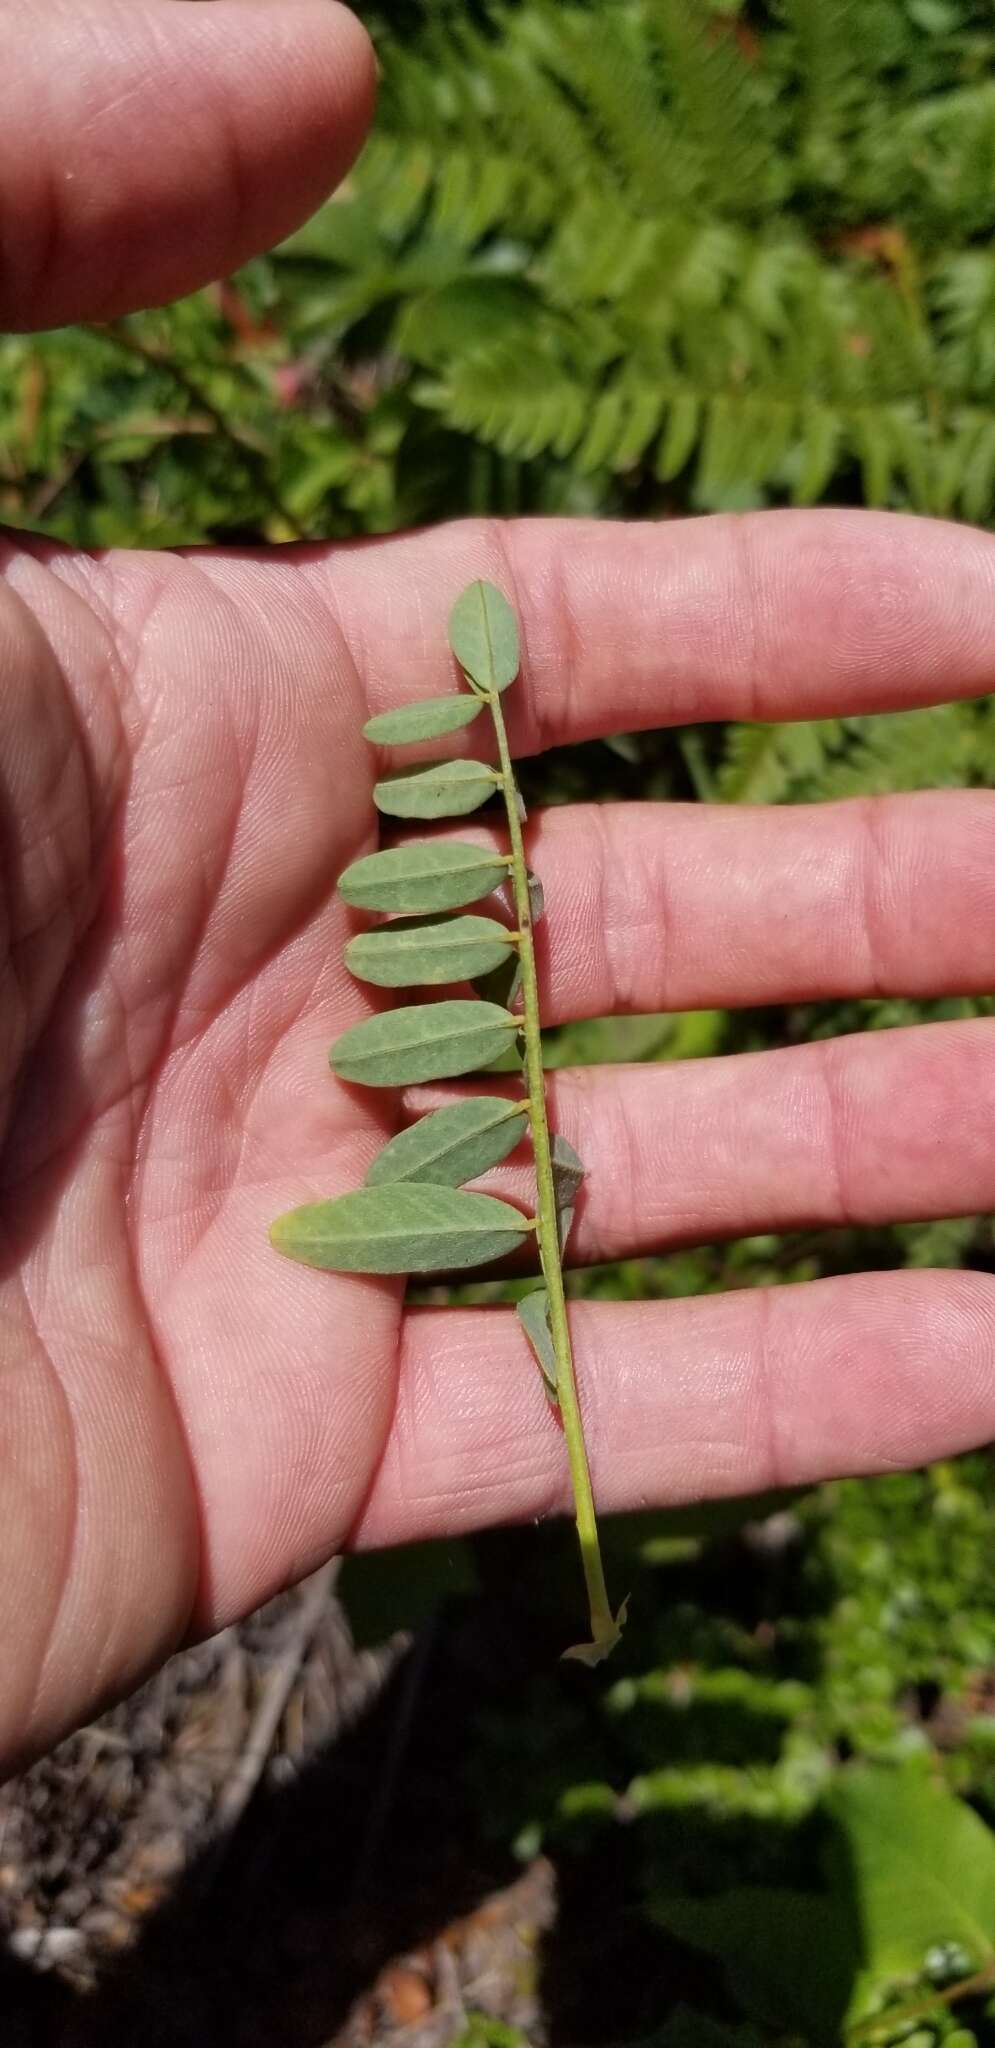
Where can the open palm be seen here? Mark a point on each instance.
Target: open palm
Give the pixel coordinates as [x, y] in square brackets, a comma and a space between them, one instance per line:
[188, 1421]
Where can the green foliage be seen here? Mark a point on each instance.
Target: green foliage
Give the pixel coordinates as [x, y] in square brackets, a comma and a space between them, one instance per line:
[449, 789]
[400, 1228]
[483, 634]
[422, 1044]
[413, 951]
[427, 720]
[533, 1314]
[422, 875]
[909, 1913]
[640, 257]
[453, 1144]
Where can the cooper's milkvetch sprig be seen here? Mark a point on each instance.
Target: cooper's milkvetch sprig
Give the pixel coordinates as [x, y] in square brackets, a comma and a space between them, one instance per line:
[414, 1215]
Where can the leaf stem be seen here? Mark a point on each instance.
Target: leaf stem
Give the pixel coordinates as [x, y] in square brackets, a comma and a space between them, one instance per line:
[604, 1628]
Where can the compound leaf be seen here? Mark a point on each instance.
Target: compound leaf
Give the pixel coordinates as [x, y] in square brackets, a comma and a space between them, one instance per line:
[426, 874]
[427, 720]
[533, 1314]
[422, 1043]
[449, 789]
[427, 951]
[483, 634]
[399, 1228]
[453, 1144]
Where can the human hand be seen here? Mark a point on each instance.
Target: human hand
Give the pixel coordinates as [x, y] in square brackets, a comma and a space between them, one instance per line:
[189, 1421]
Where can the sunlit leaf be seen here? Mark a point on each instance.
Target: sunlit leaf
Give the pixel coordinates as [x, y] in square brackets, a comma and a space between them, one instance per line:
[426, 874]
[920, 1867]
[400, 1228]
[426, 1042]
[533, 1314]
[483, 634]
[427, 951]
[449, 789]
[427, 720]
[453, 1144]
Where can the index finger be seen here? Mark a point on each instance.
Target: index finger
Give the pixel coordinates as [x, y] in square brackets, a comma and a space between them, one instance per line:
[771, 615]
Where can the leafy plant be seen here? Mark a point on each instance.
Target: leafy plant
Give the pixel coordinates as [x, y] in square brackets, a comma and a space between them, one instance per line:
[904, 1932]
[414, 1215]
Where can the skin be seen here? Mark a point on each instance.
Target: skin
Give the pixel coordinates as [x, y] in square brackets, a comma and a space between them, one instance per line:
[188, 1422]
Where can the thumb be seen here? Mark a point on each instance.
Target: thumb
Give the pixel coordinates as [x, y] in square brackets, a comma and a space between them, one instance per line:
[148, 146]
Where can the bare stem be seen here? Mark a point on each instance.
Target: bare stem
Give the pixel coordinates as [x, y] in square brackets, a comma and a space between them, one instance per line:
[604, 1629]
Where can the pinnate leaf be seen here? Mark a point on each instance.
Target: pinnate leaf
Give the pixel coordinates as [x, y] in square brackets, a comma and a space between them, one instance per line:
[426, 1042]
[533, 1314]
[483, 634]
[449, 789]
[429, 950]
[427, 720]
[400, 1228]
[426, 874]
[453, 1144]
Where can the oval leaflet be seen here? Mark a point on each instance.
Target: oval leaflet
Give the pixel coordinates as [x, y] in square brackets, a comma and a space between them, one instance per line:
[483, 634]
[427, 720]
[400, 1229]
[426, 874]
[422, 1044]
[406, 955]
[452, 1144]
[448, 790]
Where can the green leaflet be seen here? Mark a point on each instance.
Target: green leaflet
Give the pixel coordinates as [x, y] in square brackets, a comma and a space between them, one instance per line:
[400, 1229]
[453, 1144]
[502, 984]
[568, 1173]
[533, 1314]
[483, 634]
[422, 1043]
[427, 720]
[425, 951]
[427, 874]
[449, 789]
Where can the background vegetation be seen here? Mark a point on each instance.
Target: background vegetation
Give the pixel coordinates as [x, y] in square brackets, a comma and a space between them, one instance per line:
[644, 257]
